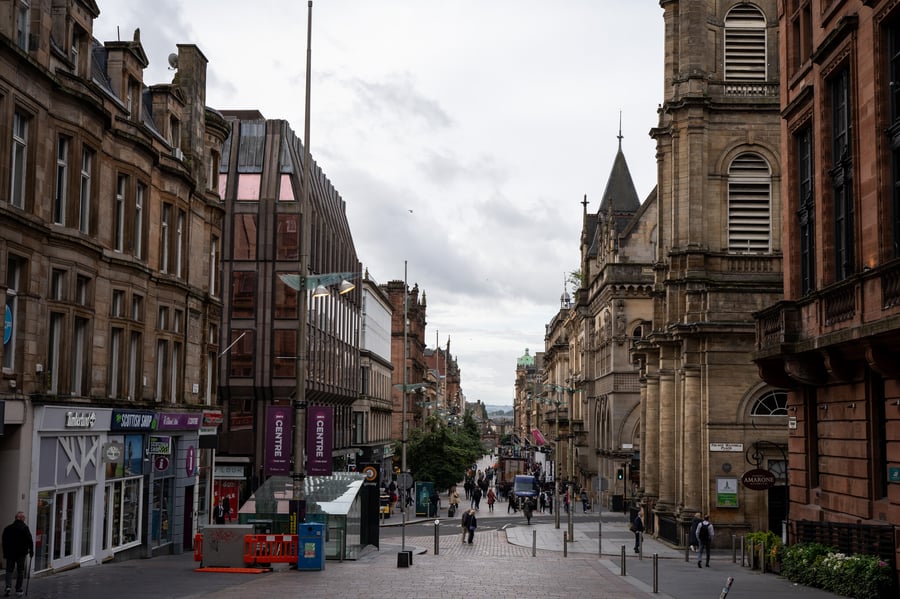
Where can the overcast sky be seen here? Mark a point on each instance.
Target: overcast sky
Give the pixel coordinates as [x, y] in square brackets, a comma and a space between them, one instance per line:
[462, 135]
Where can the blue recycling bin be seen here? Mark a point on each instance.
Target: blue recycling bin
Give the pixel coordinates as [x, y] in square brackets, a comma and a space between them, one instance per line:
[310, 546]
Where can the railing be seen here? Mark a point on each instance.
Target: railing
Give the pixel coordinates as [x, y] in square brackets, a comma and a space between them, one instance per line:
[668, 530]
[866, 539]
[890, 288]
[839, 304]
[751, 88]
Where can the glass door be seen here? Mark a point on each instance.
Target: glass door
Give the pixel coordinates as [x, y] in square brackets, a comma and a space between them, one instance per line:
[63, 528]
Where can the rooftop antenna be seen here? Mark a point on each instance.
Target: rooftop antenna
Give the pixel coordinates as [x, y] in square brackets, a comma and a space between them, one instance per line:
[620, 131]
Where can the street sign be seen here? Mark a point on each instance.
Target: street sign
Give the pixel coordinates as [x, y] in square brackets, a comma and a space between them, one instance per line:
[405, 481]
[758, 479]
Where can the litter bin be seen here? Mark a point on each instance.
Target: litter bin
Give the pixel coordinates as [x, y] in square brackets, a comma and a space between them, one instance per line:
[311, 546]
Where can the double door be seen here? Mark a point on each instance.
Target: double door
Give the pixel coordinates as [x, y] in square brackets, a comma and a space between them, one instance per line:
[63, 527]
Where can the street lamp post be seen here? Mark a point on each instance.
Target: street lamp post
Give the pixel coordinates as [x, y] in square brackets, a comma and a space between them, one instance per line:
[299, 471]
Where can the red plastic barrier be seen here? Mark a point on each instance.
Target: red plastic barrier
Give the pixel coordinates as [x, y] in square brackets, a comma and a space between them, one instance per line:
[198, 547]
[270, 549]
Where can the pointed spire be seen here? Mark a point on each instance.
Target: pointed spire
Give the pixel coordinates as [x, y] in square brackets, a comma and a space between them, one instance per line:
[620, 131]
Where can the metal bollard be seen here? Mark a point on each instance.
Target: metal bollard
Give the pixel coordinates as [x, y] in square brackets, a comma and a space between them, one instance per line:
[641, 546]
[600, 538]
[623, 560]
[742, 551]
[565, 545]
[655, 572]
[727, 587]
[533, 543]
[733, 549]
[437, 537]
[687, 553]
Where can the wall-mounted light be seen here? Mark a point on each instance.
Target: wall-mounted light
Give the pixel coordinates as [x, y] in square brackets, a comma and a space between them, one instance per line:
[824, 407]
[852, 404]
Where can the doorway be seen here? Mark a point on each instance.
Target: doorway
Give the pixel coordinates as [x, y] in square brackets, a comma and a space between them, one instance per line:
[187, 541]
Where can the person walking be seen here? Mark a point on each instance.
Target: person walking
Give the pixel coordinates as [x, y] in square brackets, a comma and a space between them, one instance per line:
[17, 543]
[219, 513]
[705, 534]
[454, 503]
[491, 498]
[470, 523]
[476, 498]
[584, 501]
[692, 537]
[637, 527]
[543, 501]
[528, 508]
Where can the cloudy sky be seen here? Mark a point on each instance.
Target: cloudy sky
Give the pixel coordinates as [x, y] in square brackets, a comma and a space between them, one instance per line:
[462, 135]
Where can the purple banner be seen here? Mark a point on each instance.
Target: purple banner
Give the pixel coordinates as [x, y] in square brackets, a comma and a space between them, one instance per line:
[177, 421]
[278, 440]
[319, 434]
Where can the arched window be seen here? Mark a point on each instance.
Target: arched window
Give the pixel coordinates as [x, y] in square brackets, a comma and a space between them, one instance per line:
[745, 44]
[773, 403]
[749, 204]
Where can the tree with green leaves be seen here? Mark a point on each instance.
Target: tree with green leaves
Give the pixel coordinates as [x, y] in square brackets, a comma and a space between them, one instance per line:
[440, 453]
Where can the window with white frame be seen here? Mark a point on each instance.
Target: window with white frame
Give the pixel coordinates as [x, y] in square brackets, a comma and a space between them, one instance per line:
[54, 348]
[164, 240]
[772, 403]
[139, 221]
[179, 242]
[134, 382]
[749, 204]
[115, 362]
[119, 214]
[84, 194]
[62, 173]
[745, 44]
[23, 23]
[213, 265]
[162, 362]
[19, 160]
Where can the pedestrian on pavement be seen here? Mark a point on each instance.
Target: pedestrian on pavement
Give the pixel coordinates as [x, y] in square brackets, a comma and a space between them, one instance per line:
[513, 504]
[692, 537]
[491, 498]
[468, 487]
[566, 501]
[219, 513]
[528, 508]
[705, 534]
[543, 501]
[476, 497]
[454, 502]
[470, 523]
[584, 501]
[17, 543]
[637, 527]
[550, 502]
[435, 500]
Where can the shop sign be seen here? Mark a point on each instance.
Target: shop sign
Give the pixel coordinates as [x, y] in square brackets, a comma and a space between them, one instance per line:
[80, 419]
[735, 447]
[229, 472]
[190, 461]
[212, 417]
[726, 492]
[180, 421]
[161, 463]
[159, 445]
[113, 453]
[132, 420]
[758, 479]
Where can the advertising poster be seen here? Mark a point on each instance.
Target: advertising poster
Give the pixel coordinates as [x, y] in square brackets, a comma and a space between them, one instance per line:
[279, 445]
[319, 437]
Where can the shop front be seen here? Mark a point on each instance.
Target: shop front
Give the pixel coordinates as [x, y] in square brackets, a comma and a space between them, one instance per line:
[68, 484]
[173, 481]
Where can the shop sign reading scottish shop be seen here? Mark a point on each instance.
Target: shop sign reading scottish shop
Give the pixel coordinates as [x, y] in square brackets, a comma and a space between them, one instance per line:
[132, 420]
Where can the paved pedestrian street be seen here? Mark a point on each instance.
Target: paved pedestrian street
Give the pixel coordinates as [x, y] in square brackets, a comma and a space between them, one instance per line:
[499, 564]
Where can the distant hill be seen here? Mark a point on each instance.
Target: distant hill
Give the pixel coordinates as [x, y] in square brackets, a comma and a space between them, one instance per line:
[495, 410]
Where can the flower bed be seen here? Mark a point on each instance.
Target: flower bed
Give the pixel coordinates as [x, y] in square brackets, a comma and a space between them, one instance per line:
[857, 576]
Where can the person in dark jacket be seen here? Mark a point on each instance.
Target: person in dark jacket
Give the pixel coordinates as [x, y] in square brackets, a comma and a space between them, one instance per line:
[638, 528]
[17, 543]
[693, 541]
[469, 524]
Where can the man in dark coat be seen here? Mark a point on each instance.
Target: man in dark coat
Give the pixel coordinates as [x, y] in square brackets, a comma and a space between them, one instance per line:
[17, 543]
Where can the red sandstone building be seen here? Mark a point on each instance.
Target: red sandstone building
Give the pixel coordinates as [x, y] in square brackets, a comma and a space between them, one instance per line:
[834, 341]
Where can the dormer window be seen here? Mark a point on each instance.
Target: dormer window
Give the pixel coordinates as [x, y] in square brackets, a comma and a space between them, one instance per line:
[133, 98]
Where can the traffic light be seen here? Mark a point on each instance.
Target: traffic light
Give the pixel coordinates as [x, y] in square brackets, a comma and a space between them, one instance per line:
[620, 473]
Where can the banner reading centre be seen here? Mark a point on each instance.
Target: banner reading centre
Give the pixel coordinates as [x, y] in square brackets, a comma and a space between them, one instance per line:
[319, 436]
[278, 440]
